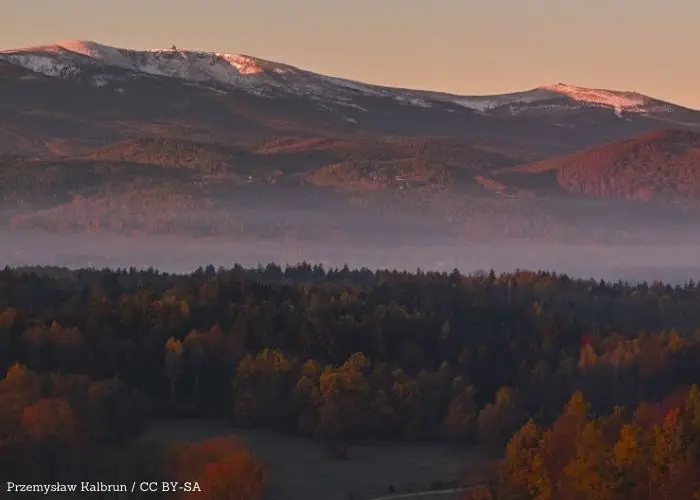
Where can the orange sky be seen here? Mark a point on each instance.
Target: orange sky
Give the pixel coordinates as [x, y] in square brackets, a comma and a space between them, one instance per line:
[461, 46]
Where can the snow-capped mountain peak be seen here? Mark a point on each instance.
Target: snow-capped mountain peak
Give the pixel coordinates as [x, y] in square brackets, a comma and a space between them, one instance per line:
[617, 100]
[173, 62]
[72, 58]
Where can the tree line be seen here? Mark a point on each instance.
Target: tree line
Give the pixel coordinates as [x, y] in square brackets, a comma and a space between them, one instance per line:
[339, 355]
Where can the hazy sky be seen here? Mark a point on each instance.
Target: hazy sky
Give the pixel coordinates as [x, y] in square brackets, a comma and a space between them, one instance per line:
[464, 46]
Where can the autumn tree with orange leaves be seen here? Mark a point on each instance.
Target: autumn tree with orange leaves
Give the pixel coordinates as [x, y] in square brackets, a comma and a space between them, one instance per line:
[223, 468]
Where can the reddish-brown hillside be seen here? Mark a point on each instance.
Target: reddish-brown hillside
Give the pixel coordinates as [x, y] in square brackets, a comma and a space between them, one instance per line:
[663, 164]
[166, 152]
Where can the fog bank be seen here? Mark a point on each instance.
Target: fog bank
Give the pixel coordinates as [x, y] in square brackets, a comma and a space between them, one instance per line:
[674, 263]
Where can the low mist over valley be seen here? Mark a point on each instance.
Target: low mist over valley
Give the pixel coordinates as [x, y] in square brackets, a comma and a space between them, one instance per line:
[669, 262]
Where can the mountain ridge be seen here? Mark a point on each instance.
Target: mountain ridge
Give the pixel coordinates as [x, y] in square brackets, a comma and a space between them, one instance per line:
[260, 76]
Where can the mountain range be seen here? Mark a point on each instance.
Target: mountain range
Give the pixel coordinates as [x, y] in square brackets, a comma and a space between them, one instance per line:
[98, 138]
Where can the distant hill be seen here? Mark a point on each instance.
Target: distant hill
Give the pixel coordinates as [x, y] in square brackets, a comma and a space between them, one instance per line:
[334, 189]
[662, 165]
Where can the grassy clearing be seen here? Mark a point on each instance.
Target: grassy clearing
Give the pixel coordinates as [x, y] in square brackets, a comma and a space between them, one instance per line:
[301, 469]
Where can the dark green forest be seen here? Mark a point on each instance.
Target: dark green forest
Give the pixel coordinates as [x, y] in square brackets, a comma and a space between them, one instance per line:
[586, 388]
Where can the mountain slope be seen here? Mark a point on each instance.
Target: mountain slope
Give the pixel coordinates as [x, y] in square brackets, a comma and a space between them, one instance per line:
[663, 165]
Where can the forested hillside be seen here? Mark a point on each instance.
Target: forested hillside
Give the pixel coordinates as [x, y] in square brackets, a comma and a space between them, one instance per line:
[659, 165]
[343, 354]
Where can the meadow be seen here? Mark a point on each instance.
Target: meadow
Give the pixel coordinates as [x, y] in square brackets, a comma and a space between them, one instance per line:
[301, 469]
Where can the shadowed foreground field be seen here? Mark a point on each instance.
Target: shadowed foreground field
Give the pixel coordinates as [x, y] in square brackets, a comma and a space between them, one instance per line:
[300, 469]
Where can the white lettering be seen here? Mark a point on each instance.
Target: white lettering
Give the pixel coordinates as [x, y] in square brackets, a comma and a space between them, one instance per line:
[12, 487]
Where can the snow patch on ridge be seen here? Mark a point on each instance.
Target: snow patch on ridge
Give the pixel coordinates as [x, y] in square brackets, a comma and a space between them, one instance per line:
[231, 69]
[489, 102]
[629, 102]
[613, 99]
[43, 64]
